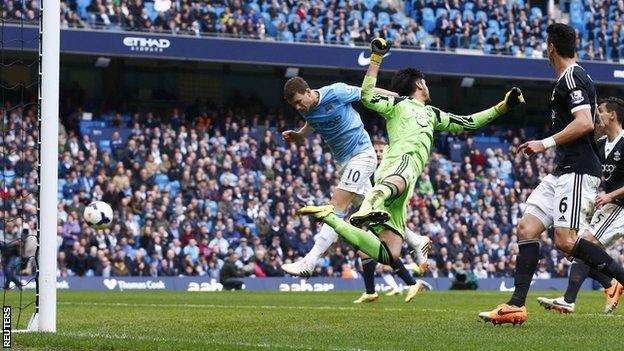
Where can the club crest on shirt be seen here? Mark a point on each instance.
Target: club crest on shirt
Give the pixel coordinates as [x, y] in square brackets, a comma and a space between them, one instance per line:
[576, 96]
[329, 107]
[616, 156]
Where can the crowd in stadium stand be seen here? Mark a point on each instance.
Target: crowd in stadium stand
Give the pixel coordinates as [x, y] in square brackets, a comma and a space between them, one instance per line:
[494, 26]
[218, 194]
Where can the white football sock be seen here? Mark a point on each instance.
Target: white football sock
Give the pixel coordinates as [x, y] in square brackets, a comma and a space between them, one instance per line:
[323, 240]
[389, 279]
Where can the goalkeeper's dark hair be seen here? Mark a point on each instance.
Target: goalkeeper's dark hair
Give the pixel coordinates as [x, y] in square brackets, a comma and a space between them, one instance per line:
[293, 86]
[404, 81]
[563, 38]
[616, 105]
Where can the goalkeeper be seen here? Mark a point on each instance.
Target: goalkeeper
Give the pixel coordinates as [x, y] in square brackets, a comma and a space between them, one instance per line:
[410, 124]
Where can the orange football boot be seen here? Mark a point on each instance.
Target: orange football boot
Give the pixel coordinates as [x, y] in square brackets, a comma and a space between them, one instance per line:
[613, 295]
[505, 313]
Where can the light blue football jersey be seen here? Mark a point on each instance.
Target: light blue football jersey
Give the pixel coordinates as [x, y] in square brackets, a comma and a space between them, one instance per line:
[338, 122]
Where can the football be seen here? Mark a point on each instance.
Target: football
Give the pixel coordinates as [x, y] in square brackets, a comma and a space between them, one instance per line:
[98, 215]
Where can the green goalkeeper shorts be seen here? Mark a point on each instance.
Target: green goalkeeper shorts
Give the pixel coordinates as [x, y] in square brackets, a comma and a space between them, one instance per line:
[407, 168]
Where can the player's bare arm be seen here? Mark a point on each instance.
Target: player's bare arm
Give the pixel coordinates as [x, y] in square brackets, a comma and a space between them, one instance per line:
[581, 125]
[297, 136]
[604, 198]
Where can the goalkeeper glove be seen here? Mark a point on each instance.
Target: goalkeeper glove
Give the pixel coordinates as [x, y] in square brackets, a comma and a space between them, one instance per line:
[512, 99]
[379, 47]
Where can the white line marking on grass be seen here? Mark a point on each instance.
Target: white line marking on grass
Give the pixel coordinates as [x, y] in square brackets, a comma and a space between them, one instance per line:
[303, 308]
[267, 307]
[126, 337]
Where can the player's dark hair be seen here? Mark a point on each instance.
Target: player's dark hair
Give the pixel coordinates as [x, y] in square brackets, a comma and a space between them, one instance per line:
[404, 81]
[616, 105]
[563, 38]
[293, 86]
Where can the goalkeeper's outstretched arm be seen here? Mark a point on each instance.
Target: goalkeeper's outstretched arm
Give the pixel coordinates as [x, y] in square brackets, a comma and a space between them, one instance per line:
[371, 97]
[455, 123]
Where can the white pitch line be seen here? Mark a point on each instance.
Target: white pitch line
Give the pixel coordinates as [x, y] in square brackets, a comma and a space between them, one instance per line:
[268, 307]
[322, 308]
[77, 334]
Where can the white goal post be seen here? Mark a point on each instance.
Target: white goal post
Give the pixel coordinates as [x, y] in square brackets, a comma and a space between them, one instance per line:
[44, 319]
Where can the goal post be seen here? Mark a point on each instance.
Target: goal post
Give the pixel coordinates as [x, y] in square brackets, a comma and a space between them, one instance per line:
[49, 56]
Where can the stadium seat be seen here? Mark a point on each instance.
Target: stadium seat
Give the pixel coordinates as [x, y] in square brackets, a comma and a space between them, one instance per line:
[447, 41]
[8, 176]
[174, 187]
[270, 29]
[439, 12]
[536, 11]
[368, 15]
[575, 7]
[468, 6]
[493, 24]
[481, 14]
[161, 180]
[528, 51]
[370, 4]
[355, 14]
[255, 7]
[287, 36]
[576, 20]
[219, 10]
[490, 31]
[213, 206]
[383, 18]
[452, 14]
[487, 48]
[428, 19]
[82, 8]
[149, 6]
[104, 145]
[468, 14]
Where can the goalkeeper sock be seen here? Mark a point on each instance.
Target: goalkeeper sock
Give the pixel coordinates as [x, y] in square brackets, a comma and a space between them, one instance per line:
[578, 272]
[401, 271]
[385, 192]
[601, 278]
[389, 279]
[528, 257]
[360, 239]
[595, 257]
[368, 268]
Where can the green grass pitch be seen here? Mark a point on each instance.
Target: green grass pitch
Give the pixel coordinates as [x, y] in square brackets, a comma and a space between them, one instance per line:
[314, 321]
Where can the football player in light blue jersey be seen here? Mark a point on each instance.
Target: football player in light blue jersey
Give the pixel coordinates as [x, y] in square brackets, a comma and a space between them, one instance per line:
[336, 120]
[329, 112]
